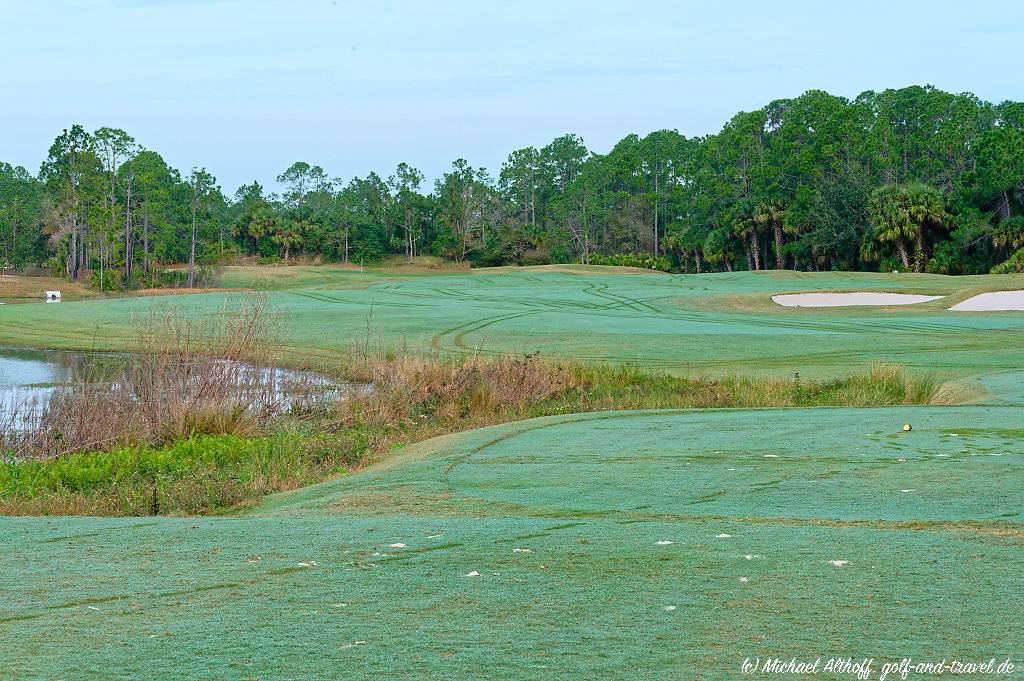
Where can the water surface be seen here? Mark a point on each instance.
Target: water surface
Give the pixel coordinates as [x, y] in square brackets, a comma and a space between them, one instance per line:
[29, 378]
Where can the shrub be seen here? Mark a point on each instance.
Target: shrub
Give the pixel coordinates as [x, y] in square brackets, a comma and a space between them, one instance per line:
[176, 278]
[106, 280]
[639, 260]
[535, 256]
[560, 254]
[1013, 265]
[492, 257]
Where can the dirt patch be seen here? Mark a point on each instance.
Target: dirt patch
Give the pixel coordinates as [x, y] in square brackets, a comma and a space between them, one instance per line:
[32, 289]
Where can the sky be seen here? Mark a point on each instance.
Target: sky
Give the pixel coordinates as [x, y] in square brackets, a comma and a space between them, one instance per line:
[246, 87]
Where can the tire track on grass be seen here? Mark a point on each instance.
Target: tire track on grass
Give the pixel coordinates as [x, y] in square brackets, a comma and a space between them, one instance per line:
[973, 526]
[323, 298]
[472, 326]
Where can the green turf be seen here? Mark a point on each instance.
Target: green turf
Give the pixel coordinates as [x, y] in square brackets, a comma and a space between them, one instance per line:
[931, 521]
[716, 323]
[307, 586]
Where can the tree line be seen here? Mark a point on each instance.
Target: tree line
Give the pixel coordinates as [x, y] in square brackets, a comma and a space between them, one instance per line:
[910, 179]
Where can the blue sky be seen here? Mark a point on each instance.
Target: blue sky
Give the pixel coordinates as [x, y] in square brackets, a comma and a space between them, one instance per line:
[246, 87]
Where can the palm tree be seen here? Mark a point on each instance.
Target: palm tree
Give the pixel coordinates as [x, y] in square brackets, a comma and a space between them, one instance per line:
[746, 229]
[772, 213]
[289, 233]
[1009, 233]
[718, 247]
[902, 213]
[926, 209]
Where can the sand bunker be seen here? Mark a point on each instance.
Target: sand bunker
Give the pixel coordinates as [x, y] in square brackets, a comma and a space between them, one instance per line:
[845, 299]
[992, 302]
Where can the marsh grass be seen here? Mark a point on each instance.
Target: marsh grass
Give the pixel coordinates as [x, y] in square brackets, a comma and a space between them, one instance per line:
[188, 376]
[408, 387]
[433, 387]
[882, 385]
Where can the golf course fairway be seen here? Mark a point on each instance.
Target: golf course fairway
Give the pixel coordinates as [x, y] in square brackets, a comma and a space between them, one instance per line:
[658, 544]
[722, 323]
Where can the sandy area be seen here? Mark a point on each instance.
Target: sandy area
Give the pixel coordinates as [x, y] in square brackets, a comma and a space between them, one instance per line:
[845, 299]
[991, 302]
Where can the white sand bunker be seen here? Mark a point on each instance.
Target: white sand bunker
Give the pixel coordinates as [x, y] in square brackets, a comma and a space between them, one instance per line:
[992, 302]
[845, 299]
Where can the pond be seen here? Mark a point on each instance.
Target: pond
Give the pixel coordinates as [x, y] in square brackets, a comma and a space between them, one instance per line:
[29, 378]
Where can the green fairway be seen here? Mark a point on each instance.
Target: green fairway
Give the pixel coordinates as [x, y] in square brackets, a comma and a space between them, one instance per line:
[714, 323]
[660, 544]
[561, 518]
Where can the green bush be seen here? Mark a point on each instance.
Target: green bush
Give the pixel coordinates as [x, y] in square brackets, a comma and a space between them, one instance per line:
[639, 260]
[176, 278]
[560, 254]
[1013, 265]
[492, 257]
[535, 257]
[106, 280]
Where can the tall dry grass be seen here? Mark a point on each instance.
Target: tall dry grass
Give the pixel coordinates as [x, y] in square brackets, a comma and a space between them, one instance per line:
[408, 388]
[466, 391]
[189, 375]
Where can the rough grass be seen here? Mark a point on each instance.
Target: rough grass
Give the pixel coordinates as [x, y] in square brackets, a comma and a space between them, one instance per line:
[411, 388]
[199, 474]
[624, 388]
